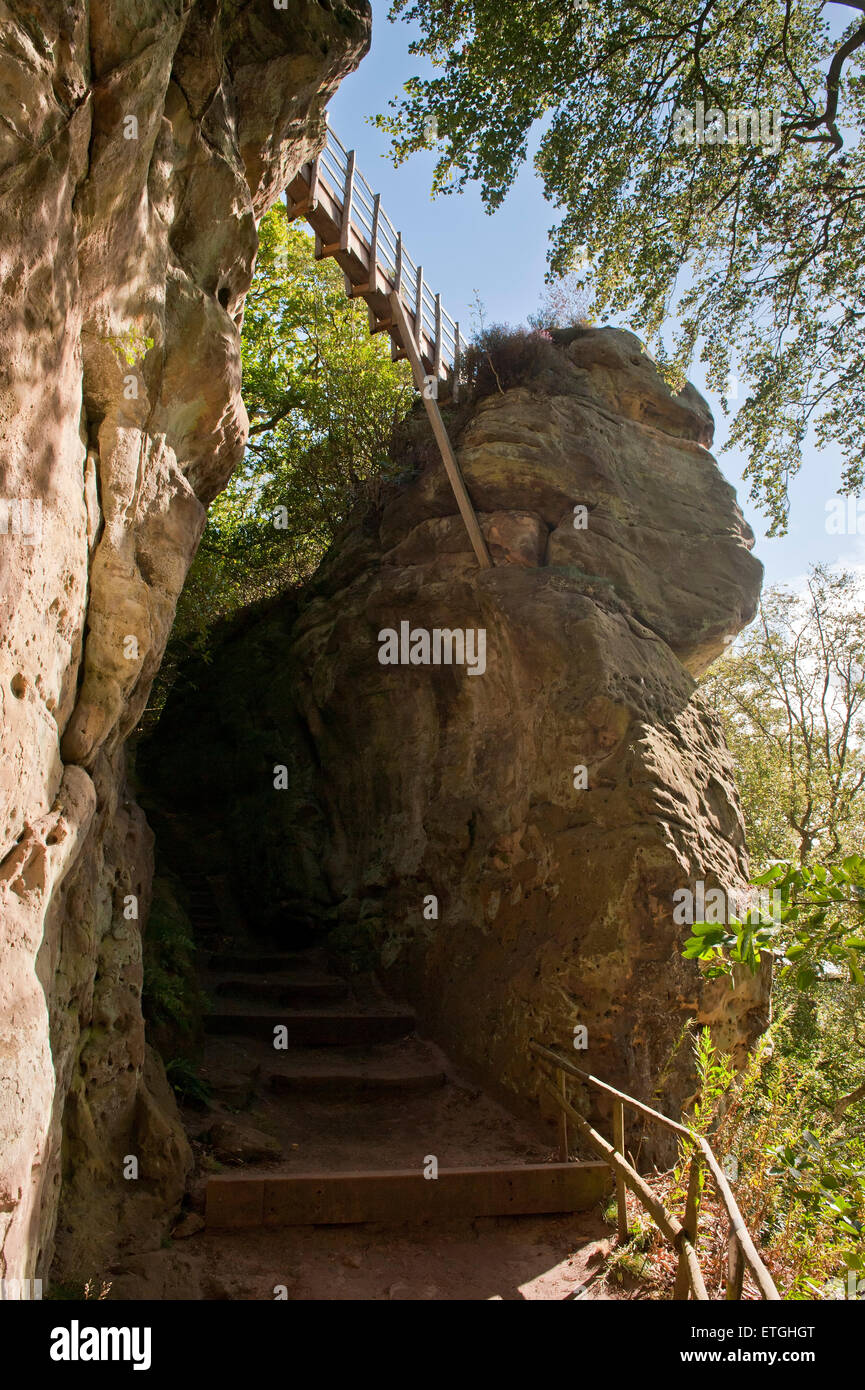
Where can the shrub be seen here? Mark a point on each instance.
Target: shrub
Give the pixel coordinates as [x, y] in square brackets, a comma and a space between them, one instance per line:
[502, 357]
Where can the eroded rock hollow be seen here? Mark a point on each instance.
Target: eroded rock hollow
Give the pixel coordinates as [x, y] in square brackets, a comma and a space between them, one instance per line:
[504, 841]
[142, 142]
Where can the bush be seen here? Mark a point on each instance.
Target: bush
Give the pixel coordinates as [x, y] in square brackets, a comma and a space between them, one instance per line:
[502, 357]
[172, 1001]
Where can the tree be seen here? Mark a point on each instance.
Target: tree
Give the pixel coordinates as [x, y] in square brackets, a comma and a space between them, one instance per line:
[322, 398]
[791, 694]
[754, 212]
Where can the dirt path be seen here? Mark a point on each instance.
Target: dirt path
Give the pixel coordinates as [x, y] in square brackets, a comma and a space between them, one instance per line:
[351, 1090]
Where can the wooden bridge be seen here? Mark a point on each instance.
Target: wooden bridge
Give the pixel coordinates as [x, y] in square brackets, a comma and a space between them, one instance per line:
[351, 225]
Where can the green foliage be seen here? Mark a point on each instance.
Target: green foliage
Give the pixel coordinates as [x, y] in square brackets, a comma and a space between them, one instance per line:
[820, 927]
[501, 357]
[791, 697]
[323, 398]
[186, 1083]
[800, 1157]
[760, 240]
[171, 999]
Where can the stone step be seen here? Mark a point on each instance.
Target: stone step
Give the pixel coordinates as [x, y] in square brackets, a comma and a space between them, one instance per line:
[311, 1199]
[289, 991]
[312, 1028]
[349, 1078]
[250, 963]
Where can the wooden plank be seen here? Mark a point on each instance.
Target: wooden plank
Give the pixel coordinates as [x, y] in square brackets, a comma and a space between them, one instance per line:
[455, 388]
[619, 1145]
[690, 1224]
[347, 197]
[563, 1125]
[418, 323]
[398, 281]
[452, 468]
[403, 1195]
[735, 1267]
[236, 1205]
[437, 360]
[752, 1259]
[373, 247]
[312, 204]
[667, 1223]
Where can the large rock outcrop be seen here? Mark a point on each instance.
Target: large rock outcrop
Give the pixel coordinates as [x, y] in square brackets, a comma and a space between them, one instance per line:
[622, 567]
[141, 142]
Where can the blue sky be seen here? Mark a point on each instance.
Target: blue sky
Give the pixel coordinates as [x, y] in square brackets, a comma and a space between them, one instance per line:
[503, 258]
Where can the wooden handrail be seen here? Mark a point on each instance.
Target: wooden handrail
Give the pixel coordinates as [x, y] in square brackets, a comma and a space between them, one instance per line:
[666, 1222]
[328, 193]
[330, 205]
[742, 1250]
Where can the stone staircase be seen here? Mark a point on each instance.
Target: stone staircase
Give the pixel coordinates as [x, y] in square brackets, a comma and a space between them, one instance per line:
[360, 1107]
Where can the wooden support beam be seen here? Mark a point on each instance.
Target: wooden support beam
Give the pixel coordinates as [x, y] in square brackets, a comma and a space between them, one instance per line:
[689, 1223]
[294, 209]
[666, 1222]
[563, 1123]
[735, 1267]
[437, 360]
[452, 468]
[455, 389]
[313, 182]
[398, 1195]
[373, 247]
[418, 322]
[619, 1145]
[347, 197]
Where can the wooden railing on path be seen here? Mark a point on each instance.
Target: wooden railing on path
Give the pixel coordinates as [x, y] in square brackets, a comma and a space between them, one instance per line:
[351, 225]
[741, 1251]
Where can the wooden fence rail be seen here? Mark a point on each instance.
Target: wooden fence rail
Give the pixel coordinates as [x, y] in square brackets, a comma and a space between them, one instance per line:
[351, 225]
[741, 1250]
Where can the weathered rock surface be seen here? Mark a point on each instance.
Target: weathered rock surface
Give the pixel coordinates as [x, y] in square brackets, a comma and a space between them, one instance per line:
[555, 904]
[142, 141]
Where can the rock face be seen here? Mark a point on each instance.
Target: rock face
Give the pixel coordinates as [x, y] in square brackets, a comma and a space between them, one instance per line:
[506, 841]
[142, 141]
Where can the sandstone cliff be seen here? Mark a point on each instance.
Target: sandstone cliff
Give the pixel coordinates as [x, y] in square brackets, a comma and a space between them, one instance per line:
[622, 566]
[142, 141]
